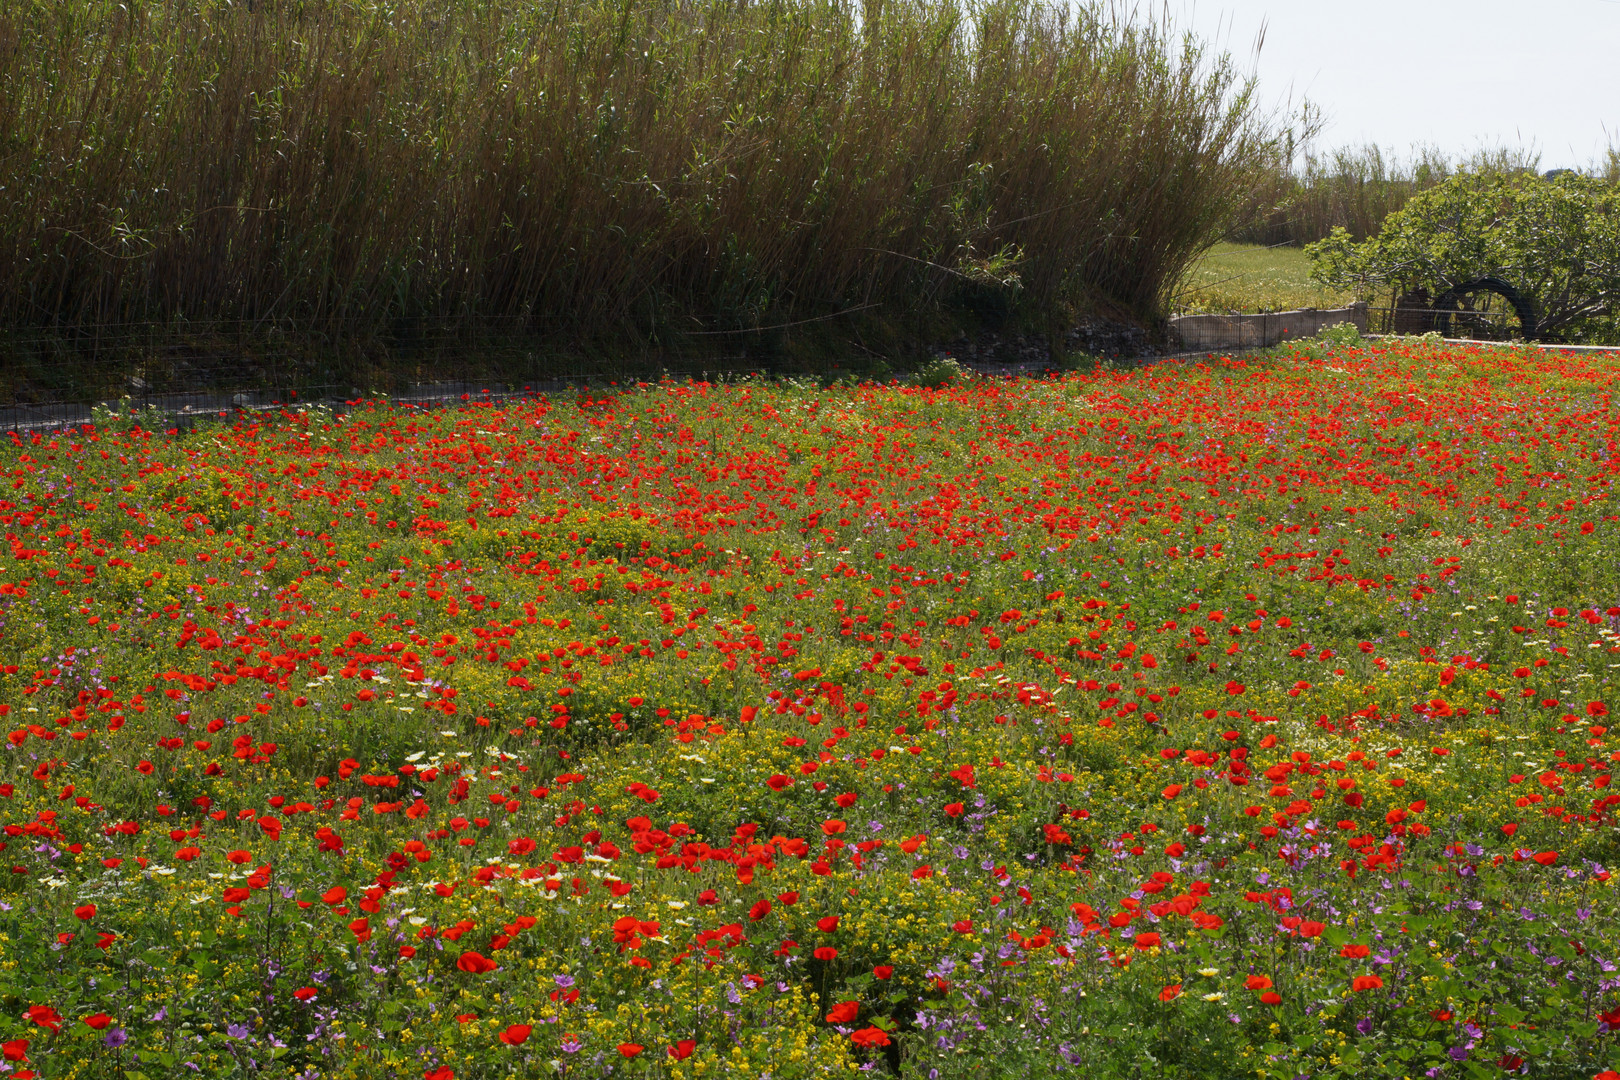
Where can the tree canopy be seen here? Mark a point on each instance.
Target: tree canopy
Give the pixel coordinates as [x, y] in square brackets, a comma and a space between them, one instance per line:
[1556, 240]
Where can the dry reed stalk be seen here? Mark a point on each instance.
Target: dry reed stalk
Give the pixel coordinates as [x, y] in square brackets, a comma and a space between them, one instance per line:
[346, 168]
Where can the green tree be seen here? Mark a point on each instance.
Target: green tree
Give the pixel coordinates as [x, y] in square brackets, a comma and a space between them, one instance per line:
[1557, 241]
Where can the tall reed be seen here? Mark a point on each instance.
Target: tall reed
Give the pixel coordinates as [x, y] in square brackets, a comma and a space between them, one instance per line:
[360, 167]
[1355, 187]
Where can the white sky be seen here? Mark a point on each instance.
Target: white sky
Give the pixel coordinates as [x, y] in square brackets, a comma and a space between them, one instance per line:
[1460, 75]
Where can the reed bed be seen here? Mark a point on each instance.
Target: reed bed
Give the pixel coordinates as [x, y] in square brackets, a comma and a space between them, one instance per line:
[343, 170]
[1356, 187]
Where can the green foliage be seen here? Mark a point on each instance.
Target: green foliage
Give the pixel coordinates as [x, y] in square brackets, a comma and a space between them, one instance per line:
[1556, 240]
[942, 372]
[1338, 338]
[1248, 717]
[126, 416]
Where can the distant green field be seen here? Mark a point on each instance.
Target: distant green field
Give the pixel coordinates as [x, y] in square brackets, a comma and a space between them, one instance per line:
[1248, 277]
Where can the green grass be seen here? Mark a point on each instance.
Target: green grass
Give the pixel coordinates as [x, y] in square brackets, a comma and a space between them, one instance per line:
[1249, 277]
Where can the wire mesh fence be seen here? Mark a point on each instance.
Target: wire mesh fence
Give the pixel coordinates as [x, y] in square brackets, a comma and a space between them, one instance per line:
[54, 380]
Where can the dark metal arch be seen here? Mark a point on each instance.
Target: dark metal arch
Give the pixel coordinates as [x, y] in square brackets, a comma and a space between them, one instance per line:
[1523, 306]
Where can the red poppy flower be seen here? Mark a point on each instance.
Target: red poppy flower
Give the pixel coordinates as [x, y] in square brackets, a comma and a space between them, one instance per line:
[475, 963]
[826, 952]
[15, 1050]
[1546, 858]
[85, 912]
[443, 1072]
[870, 1036]
[1366, 982]
[760, 909]
[883, 971]
[1354, 952]
[827, 924]
[305, 993]
[1171, 992]
[1257, 982]
[954, 810]
[963, 926]
[1271, 997]
[1146, 941]
[335, 895]
[516, 1034]
[683, 1049]
[97, 1021]
[843, 1012]
[45, 1017]
[630, 1049]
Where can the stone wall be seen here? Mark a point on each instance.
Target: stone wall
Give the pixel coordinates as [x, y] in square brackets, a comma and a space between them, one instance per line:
[1191, 333]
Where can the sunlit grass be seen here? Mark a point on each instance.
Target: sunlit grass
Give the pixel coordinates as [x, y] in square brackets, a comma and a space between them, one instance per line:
[1252, 278]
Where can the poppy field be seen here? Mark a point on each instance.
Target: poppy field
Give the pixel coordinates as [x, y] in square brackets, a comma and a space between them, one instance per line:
[1245, 717]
